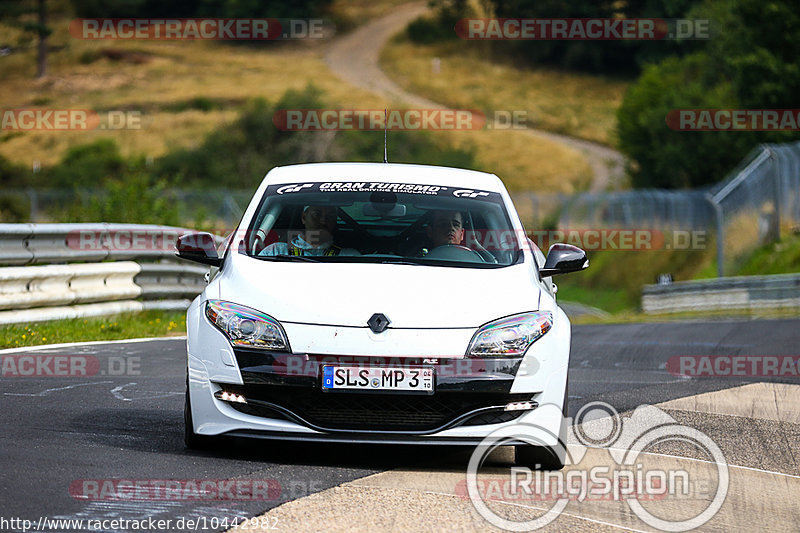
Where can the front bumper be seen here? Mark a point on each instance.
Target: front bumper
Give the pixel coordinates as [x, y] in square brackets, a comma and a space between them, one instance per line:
[467, 392]
[284, 399]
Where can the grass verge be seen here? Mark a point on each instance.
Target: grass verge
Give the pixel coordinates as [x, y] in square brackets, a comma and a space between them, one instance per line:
[613, 282]
[123, 326]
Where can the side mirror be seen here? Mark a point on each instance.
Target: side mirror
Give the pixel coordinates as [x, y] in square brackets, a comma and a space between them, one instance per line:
[562, 259]
[198, 247]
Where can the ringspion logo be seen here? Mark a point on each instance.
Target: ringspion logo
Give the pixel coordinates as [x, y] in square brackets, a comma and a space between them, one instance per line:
[618, 470]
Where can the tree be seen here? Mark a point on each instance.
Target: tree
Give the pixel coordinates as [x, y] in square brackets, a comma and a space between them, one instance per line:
[20, 14]
[43, 31]
[749, 63]
[602, 56]
[673, 159]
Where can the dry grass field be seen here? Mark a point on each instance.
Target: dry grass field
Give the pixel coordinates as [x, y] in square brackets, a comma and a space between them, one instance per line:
[579, 105]
[186, 89]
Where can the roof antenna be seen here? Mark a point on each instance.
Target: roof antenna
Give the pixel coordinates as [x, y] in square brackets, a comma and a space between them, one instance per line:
[385, 126]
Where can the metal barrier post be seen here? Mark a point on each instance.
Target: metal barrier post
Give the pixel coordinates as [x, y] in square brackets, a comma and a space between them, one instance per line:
[719, 216]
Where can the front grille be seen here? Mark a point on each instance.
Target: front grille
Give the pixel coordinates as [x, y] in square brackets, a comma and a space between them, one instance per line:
[492, 417]
[259, 410]
[376, 412]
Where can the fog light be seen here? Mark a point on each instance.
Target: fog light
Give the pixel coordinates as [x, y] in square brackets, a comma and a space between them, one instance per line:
[521, 406]
[226, 396]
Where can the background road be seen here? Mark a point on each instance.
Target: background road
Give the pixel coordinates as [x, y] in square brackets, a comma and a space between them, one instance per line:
[354, 58]
[58, 430]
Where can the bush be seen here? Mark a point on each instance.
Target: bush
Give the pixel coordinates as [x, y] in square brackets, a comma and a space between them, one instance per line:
[751, 65]
[135, 198]
[87, 165]
[11, 175]
[623, 57]
[419, 147]
[424, 30]
[135, 8]
[238, 155]
[14, 208]
[201, 8]
[440, 27]
[671, 159]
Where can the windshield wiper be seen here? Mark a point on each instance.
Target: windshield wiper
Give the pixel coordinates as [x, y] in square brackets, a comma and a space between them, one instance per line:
[400, 262]
[286, 257]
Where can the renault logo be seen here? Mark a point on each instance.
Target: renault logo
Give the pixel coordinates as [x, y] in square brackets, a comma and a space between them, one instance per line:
[378, 322]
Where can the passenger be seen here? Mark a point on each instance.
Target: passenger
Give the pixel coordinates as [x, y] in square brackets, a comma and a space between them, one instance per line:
[317, 238]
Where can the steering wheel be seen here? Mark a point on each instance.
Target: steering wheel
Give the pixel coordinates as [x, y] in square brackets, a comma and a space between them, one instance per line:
[454, 252]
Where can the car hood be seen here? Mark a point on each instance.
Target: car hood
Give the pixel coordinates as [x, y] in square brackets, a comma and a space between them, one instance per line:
[411, 296]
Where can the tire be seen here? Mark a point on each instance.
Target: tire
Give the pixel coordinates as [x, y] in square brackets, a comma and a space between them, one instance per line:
[192, 440]
[537, 457]
[545, 457]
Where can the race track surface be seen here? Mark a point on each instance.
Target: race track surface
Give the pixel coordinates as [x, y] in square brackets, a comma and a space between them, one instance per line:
[125, 422]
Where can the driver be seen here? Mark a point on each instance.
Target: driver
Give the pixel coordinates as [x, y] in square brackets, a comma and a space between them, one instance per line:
[317, 238]
[446, 227]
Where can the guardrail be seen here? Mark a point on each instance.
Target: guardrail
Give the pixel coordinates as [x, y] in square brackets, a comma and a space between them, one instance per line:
[731, 293]
[25, 244]
[58, 291]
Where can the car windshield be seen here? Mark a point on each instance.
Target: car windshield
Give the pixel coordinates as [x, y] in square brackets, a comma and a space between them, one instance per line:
[364, 222]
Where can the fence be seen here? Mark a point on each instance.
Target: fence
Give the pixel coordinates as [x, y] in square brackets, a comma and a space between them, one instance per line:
[749, 207]
[155, 280]
[218, 206]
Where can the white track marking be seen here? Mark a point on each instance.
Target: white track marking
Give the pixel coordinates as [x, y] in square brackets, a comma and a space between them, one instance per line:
[48, 391]
[86, 343]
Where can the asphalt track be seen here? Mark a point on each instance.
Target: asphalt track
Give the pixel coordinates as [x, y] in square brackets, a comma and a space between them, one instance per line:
[125, 423]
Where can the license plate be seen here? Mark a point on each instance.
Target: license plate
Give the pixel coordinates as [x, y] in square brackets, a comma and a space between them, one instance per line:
[419, 379]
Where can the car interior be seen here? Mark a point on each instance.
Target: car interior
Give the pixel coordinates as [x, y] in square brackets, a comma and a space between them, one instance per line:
[387, 229]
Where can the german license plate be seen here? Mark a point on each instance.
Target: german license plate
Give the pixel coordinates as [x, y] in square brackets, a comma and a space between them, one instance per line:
[415, 379]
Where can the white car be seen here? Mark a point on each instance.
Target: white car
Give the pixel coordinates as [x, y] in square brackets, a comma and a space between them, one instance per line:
[379, 303]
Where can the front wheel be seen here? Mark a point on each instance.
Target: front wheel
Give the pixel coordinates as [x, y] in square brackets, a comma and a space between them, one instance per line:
[545, 457]
[538, 457]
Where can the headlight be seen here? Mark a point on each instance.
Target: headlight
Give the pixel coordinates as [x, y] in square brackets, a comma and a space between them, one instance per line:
[247, 327]
[510, 336]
